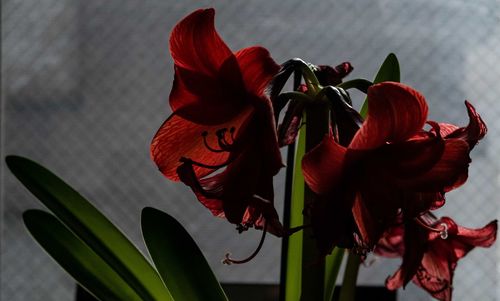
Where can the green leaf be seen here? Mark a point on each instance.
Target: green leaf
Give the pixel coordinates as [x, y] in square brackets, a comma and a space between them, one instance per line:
[179, 261]
[359, 83]
[332, 267]
[77, 258]
[294, 258]
[389, 71]
[92, 227]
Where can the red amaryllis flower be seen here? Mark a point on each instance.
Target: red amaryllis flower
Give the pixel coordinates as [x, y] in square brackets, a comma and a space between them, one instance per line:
[221, 121]
[430, 253]
[391, 165]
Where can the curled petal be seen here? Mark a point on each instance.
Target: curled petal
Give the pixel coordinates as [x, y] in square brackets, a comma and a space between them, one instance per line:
[474, 131]
[395, 113]
[469, 238]
[323, 165]
[195, 44]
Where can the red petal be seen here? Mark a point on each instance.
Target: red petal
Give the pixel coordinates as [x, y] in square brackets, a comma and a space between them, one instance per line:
[411, 158]
[446, 129]
[322, 166]
[436, 272]
[209, 100]
[195, 44]
[475, 130]
[395, 113]
[257, 68]
[395, 281]
[448, 173]
[179, 138]
[470, 238]
[391, 244]
[208, 86]
[207, 196]
[375, 208]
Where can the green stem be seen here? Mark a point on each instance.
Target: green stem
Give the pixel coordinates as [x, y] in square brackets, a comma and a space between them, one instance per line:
[332, 267]
[313, 273]
[292, 272]
[347, 292]
[297, 95]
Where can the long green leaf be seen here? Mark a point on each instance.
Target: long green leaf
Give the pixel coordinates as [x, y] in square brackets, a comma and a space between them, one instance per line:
[332, 267]
[178, 259]
[77, 258]
[90, 225]
[294, 258]
[389, 71]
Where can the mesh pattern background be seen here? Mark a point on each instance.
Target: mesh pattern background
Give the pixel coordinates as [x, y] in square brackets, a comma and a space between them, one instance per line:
[85, 85]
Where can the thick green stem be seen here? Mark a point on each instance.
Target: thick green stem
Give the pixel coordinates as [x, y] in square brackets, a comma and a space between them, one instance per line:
[347, 293]
[332, 267]
[313, 271]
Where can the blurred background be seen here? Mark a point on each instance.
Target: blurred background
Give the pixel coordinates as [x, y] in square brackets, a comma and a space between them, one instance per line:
[85, 85]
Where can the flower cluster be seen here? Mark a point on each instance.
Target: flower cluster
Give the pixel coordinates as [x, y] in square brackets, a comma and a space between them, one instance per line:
[375, 179]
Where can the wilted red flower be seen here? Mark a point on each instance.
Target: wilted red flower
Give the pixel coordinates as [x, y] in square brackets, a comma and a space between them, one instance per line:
[430, 256]
[391, 165]
[221, 121]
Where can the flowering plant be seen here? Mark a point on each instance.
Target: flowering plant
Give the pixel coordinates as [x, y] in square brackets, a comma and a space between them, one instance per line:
[357, 182]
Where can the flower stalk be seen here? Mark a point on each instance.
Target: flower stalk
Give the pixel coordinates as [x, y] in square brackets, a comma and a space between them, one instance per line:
[313, 273]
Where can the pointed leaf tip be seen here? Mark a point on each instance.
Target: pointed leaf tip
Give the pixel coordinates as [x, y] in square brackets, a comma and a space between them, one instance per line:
[178, 259]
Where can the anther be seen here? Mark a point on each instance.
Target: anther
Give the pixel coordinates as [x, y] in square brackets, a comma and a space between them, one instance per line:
[205, 142]
[221, 135]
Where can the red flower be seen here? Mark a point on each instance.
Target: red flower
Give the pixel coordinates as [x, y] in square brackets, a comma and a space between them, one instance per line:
[221, 121]
[430, 257]
[390, 165]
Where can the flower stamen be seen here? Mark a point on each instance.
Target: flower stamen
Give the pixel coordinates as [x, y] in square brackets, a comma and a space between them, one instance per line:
[230, 261]
[224, 145]
[442, 230]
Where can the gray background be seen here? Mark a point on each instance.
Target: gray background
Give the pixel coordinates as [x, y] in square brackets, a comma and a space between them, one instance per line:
[85, 86]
